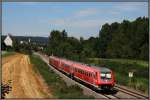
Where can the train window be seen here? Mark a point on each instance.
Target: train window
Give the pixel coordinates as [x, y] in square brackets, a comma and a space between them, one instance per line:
[91, 74]
[66, 65]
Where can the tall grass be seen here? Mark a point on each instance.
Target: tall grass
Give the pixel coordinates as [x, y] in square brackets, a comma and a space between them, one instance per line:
[58, 87]
[121, 70]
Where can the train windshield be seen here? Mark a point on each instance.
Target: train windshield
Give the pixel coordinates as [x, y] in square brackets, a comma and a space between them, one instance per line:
[105, 75]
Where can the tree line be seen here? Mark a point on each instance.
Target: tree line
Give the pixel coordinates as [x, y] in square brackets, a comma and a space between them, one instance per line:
[128, 39]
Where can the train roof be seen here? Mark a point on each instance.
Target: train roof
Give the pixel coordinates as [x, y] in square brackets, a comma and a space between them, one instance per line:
[93, 67]
[84, 67]
[90, 68]
[102, 69]
[80, 65]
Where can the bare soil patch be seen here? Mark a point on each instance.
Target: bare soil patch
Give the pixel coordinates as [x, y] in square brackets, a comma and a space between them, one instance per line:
[25, 82]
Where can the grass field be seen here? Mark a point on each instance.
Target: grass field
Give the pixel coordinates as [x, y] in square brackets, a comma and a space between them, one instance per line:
[125, 61]
[56, 84]
[121, 69]
[6, 53]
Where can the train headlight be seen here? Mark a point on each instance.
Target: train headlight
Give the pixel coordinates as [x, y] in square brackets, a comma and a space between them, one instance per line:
[108, 75]
[102, 74]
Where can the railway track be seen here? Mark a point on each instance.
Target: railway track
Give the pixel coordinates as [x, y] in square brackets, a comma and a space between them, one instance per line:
[101, 94]
[118, 88]
[129, 92]
[111, 96]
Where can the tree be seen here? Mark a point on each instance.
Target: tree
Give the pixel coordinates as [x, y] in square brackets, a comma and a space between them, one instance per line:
[128, 39]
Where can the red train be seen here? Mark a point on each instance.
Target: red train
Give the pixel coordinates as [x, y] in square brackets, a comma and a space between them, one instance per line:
[97, 77]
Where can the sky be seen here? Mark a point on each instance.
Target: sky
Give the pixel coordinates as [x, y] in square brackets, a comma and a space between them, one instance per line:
[79, 19]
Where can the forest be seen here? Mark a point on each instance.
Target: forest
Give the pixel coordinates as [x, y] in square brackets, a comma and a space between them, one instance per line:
[127, 40]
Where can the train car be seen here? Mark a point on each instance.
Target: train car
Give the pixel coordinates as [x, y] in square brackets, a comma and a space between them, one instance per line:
[54, 61]
[97, 77]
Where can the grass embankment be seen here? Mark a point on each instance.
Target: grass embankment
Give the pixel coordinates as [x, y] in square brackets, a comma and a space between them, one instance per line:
[6, 53]
[56, 84]
[121, 69]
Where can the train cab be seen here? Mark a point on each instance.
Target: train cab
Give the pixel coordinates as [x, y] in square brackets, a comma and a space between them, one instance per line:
[105, 78]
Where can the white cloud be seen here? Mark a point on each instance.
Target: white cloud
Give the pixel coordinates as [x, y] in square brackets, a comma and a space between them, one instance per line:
[86, 12]
[131, 6]
[79, 27]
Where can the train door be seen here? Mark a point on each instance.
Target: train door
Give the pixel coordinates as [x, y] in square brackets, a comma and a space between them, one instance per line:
[96, 77]
[71, 69]
[59, 64]
[92, 78]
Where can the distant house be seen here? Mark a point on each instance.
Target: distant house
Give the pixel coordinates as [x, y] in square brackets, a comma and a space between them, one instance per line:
[8, 41]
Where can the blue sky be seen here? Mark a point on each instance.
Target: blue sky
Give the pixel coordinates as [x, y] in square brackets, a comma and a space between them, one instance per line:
[77, 18]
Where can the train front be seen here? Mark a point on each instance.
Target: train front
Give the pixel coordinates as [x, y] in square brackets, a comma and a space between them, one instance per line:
[106, 79]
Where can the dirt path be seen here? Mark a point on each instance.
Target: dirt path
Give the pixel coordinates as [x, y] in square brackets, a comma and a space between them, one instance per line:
[25, 82]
